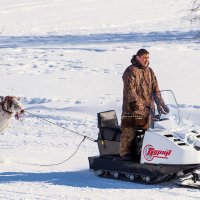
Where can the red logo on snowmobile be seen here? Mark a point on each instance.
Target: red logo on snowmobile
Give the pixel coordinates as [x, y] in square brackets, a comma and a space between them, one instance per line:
[150, 153]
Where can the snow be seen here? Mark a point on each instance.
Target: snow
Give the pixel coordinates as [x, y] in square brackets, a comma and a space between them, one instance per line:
[65, 60]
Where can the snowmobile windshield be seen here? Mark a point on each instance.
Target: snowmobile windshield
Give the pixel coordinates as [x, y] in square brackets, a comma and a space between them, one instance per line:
[172, 119]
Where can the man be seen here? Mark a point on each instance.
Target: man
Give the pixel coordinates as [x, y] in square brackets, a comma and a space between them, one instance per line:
[139, 94]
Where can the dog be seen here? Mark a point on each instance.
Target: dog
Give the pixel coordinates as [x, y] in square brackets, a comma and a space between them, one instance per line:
[9, 107]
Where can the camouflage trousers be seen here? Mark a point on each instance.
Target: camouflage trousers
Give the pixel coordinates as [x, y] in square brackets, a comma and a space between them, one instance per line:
[126, 140]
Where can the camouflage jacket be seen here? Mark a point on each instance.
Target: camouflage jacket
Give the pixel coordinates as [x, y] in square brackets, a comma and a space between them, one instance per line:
[141, 89]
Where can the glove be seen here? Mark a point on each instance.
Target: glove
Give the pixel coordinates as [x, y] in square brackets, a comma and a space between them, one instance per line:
[163, 109]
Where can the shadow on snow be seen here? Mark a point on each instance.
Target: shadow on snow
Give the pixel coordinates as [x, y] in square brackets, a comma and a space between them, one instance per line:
[135, 37]
[82, 178]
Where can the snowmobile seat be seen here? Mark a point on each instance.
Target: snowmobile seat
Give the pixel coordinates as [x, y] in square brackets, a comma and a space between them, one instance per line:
[109, 128]
[107, 119]
[109, 133]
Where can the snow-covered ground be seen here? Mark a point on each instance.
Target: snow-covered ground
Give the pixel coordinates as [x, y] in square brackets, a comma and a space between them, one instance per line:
[65, 59]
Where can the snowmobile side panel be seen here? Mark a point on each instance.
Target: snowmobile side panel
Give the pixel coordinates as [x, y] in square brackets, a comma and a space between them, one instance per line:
[159, 148]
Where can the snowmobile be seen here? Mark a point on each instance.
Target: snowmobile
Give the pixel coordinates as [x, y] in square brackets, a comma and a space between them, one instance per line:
[168, 150]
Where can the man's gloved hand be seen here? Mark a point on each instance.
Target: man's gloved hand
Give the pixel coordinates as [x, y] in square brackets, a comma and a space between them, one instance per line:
[163, 109]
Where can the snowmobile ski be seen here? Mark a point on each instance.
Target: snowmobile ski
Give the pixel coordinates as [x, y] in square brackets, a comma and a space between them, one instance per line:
[190, 181]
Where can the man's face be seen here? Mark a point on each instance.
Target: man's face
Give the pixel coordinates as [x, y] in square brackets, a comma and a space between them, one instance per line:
[144, 59]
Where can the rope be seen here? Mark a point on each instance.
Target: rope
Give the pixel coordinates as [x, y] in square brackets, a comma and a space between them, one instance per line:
[54, 164]
[67, 159]
[87, 137]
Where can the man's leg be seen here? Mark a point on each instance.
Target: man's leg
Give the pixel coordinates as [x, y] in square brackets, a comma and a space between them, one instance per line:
[126, 140]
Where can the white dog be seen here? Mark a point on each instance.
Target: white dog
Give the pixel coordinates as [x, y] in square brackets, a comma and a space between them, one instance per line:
[9, 107]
